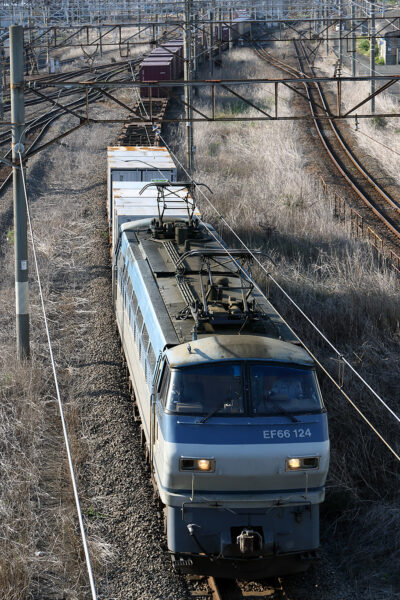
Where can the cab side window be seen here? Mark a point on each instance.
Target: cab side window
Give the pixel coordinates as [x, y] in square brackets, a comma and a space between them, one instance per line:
[163, 385]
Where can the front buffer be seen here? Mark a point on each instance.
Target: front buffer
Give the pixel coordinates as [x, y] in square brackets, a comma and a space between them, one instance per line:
[225, 542]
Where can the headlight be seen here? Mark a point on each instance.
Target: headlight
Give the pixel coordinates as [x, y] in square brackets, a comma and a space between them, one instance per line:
[197, 464]
[301, 463]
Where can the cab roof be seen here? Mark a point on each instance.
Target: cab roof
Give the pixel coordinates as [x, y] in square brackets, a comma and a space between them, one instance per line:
[237, 347]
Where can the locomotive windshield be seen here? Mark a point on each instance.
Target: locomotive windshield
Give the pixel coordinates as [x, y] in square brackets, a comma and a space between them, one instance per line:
[216, 388]
[260, 389]
[276, 390]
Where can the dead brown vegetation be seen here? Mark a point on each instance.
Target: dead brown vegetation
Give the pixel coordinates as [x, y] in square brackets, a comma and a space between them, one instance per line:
[258, 174]
[40, 547]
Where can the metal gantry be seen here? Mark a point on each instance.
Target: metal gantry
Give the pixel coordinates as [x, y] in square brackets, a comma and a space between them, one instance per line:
[47, 26]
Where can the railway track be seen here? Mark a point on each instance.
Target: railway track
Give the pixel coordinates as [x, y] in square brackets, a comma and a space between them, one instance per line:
[212, 588]
[35, 123]
[382, 205]
[136, 134]
[31, 99]
[43, 123]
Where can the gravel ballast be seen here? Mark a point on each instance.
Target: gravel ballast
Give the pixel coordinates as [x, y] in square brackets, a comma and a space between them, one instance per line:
[67, 188]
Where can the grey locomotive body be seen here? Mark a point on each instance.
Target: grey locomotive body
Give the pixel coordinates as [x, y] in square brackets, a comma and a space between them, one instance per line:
[230, 406]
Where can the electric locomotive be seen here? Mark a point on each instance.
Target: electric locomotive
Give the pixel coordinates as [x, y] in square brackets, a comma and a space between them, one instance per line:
[232, 414]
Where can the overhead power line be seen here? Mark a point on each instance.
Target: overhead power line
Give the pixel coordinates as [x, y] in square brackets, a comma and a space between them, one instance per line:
[60, 404]
[270, 276]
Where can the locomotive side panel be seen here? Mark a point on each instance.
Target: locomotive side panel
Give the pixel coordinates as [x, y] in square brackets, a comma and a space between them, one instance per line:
[230, 405]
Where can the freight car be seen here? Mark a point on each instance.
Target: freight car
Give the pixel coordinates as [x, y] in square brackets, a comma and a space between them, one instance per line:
[241, 27]
[233, 420]
[165, 63]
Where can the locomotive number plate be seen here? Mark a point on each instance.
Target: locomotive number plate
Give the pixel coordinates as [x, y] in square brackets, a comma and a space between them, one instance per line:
[286, 434]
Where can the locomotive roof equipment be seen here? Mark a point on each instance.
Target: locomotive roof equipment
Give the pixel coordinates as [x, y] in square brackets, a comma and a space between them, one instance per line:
[231, 411]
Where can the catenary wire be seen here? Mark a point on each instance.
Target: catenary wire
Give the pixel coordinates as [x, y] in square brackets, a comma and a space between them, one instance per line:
[337, 352]
[357, 60]
[298, 308]
[60, 404]
[376, 141]
[332, 379]
[355, 116]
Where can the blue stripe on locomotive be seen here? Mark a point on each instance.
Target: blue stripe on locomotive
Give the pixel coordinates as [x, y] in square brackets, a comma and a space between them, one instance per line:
[181, 429]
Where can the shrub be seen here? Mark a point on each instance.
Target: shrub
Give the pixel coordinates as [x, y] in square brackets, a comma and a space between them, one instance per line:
[378, 122]
[363, 46]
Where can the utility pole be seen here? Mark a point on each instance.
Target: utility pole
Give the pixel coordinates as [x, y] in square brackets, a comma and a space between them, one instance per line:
[211, 53]
[219, 30]
[230, 43]
[372, 55]
[195, 49]
[101, 39]
[2, 67]
[353, 40]
[327, 30]
[48, 40]
[20, 224]
[187, 75]
[340, 37]
[157, 27]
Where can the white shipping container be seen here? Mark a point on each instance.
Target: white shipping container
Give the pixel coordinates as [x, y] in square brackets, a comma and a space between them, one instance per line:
[129, 205]
[137, 163]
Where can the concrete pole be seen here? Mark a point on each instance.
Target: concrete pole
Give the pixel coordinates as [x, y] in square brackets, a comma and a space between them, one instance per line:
[20, 219]
[327, 30]
[372, 55]
[353, 41]
[187, 75]
[230, 44]
[101, 40]
[1, 82]
[314, 16]
[340, 36]
[157, 30]
[210, 54]
[195, 49]
[219, 18]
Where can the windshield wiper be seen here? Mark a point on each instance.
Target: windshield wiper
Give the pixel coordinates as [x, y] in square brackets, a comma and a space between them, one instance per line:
[291, 416]
[212, 413]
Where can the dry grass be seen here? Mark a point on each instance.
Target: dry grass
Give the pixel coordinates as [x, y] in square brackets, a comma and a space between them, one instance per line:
[380, 136]
[257, 172]
[40, 548]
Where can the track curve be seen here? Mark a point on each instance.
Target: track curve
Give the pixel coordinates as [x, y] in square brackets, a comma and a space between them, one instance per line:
[382, 205]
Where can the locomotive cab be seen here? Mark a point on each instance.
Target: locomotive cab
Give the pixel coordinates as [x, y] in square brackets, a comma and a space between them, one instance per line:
[241, 453]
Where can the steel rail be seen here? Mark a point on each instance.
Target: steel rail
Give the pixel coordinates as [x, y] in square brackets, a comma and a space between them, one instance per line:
[58, 77]
[38, 121]
[300, 74]
[5, 137]
[395, 230]
[229, 589]
[49, 118]
[345, 147]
